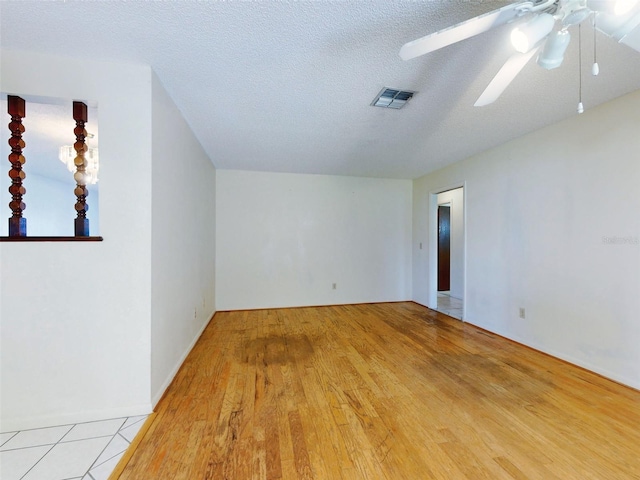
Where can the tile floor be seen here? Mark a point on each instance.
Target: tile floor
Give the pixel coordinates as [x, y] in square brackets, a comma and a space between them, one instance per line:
[85, 451]
[449, 305]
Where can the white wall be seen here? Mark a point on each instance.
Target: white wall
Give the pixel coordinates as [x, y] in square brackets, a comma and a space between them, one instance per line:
[183, 240]
[284, 239]
[76, 317]
[541, 213]
[455, 198]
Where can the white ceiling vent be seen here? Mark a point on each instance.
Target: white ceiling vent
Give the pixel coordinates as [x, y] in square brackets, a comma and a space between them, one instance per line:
[392, 98]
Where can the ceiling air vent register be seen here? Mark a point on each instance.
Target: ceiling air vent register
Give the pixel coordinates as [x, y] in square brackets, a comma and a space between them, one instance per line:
[392, 98]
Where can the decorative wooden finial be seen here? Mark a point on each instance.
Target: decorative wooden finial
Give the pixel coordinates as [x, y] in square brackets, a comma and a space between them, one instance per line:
[81, 225]
[17, 110]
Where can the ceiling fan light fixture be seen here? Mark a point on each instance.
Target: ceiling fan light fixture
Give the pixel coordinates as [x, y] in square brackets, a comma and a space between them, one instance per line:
[525, 37]
[622, 7]
[616, 7]
[553, 53]
[622, 28]
[602, 6]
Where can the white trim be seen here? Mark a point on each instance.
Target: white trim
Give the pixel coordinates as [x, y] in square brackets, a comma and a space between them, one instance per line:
[156, 398]
[433, 246]
[587, 366]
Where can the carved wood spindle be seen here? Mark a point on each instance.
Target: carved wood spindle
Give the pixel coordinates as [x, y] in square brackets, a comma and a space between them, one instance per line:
[17, 110]
[81, 224]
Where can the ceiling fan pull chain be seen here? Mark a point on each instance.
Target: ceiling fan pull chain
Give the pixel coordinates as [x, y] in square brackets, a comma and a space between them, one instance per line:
[595, 69]
[580, 106]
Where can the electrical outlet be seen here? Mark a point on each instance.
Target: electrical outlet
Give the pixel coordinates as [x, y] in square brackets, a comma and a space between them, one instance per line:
[334, 286]
[420, 245]
[522, 315]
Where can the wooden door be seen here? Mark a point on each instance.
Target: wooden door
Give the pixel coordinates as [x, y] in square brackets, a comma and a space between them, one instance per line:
[444, 247]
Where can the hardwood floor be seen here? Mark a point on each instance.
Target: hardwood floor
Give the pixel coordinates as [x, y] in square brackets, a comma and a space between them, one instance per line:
[386, 391]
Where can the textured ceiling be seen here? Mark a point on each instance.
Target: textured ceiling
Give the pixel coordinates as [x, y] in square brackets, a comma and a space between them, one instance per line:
[286, 85]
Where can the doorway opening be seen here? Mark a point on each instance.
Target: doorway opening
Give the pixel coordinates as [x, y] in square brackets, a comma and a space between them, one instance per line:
[447, 273]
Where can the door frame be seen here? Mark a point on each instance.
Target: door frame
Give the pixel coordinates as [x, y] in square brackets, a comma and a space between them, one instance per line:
[433, 246]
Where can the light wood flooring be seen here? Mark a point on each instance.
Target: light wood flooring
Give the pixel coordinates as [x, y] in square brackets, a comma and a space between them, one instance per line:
[386, 391]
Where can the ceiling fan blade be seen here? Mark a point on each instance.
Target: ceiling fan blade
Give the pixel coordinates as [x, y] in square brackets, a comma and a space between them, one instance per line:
[462, 31]
[504, 77]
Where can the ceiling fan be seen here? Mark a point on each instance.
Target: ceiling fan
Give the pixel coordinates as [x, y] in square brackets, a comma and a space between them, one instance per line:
[541, 25]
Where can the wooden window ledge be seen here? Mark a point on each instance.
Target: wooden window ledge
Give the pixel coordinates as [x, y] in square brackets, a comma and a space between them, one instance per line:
[51, 239]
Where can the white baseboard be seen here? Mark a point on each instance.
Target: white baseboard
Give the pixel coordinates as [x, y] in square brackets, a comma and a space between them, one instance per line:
[581, 363]
[158, 395]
